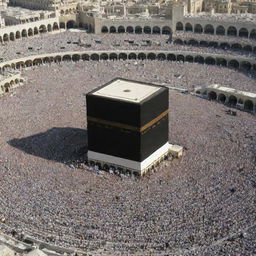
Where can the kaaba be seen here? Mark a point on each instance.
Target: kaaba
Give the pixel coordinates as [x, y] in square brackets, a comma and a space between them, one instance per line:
[127, 124]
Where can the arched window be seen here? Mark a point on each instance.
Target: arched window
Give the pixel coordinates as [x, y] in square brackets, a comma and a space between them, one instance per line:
[129, 29]
[112, 29]
[212, 95]
[104, 29]
[220, 30]
[208, 29]
[121, 29]
[198, 29]
[156, 30]
[243, 32]
[188, 27]
[166, 30]
[232, 100]
[232, 31]
[179, 26]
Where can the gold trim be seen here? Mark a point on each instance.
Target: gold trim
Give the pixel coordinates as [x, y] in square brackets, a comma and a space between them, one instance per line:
[128, 127]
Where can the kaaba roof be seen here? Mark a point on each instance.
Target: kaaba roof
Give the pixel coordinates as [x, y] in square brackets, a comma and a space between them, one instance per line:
[127, 90]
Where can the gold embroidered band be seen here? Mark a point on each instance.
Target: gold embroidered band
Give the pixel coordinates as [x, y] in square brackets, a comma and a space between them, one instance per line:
[129, 127]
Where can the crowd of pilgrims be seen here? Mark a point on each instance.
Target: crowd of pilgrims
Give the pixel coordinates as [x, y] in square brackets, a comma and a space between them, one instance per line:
[80, 41]
[203, 203]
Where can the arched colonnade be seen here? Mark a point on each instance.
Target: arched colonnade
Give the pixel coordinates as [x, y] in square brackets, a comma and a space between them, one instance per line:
[182, 56]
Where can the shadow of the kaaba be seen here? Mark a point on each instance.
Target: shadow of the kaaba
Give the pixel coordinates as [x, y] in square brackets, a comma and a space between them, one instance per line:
[65, 145]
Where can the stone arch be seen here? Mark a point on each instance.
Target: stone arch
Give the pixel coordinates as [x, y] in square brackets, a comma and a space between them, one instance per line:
[12, 36]
[112, 29]
[210, 61]
[245, 65]
[171, 57]
[104, 29]
[199, 59]
[113, 56]
[188, 27]
[232, 100]
[42, 29]
[243, 32]
[220, 30]
[166, 30]
[132, 56]
[18, 35]
[248, 105]
[57, 59]
[55, 26]
[121, 29]
[76, 57]
[123, 56]
[221, 62]
[6, 37]
[193, 42]
[142, 56]
[66, 58]
[62, 25]
[247, 48]
[95, 57]
[7, 87]
[178, 41]
[46, 60]
[212, 95]
[49, 28]
[28, 63]
[37, 62]
[20, 64]
[180, 57]
[236, 47]
[233, 64]
[222, 98]
[138, 30]
[71, 24]
[85, 57]
[189, 58]
[232, 31]
[103, 56]
[156, 30]
[24, 33]
[151, 56]
[129, 29]
[161, 56]
[179, 26]
[198, 29]
[147, 30]
[30, 32]
[213, 44]
[36, 31]
[209, 29]
[6, 67]
[203, 43]
[253, 34]
[224, 46]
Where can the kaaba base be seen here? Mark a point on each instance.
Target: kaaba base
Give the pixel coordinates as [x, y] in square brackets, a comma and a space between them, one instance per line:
[126, 165]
